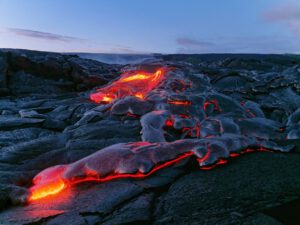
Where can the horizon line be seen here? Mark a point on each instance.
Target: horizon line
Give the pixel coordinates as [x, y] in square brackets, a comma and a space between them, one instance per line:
[154, 53]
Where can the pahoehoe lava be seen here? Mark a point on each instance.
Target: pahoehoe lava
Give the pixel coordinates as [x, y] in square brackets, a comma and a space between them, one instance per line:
[141, 159]
[149, 120]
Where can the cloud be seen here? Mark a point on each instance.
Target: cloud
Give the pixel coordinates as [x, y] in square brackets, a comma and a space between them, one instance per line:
[189, 42]
[240, 44]
[287, 14]
[43, 35]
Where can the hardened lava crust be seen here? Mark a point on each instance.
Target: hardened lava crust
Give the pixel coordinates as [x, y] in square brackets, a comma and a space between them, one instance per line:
[175, 139]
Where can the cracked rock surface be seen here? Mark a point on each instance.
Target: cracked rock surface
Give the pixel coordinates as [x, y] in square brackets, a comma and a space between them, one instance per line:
[227, 102]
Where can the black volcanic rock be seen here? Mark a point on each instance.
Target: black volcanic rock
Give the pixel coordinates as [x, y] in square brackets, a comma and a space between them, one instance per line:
[3, 74]
[24, 72]
[11, 122]
[230, 194]
[220, 101]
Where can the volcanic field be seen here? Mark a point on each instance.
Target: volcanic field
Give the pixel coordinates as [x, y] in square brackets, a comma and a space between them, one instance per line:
[175, 139]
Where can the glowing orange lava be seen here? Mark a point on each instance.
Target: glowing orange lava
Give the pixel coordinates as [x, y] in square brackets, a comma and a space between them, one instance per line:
[56, 184]
[138, 84]
[50, 189]
[48, 183]
[139, 95]
[179, 102]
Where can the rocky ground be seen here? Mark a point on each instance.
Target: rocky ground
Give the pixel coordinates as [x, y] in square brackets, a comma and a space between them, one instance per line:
[47, 118]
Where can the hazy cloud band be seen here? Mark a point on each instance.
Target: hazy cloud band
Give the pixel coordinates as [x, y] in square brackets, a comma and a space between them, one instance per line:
[42, 35]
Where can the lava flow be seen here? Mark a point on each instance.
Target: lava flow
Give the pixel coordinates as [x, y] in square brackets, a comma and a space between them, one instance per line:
[54, 180]
[153, 153]
[51, 182]
[138, 84]
[135, 160]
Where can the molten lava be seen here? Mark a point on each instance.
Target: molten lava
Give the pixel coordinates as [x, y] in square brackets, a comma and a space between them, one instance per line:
[138, 84]
[54, 180]
[48, 183]
[179, 102]
[50, 189]
[56, 184]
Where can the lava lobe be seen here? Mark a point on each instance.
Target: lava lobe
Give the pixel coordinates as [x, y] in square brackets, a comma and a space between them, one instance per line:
[138, 84]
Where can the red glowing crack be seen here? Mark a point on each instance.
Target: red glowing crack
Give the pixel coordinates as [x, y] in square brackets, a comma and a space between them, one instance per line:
[137, 84]
[214, 103]
[179, 102]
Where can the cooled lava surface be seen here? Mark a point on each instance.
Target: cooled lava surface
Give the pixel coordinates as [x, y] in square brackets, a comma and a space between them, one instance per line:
[83, 142]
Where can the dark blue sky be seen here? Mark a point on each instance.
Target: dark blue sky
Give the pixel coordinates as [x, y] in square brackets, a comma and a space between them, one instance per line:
[143, 26]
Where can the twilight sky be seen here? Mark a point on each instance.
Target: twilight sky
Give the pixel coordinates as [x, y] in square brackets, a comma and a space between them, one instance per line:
[147, 26]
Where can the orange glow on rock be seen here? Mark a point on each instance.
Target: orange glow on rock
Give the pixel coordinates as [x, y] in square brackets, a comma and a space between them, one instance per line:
[57, 184]
[47, 183]
[139, 95]
[47, 190]
[52, 181]
[135, 77]
[138, 84]
[179, 102]
[107, 99]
